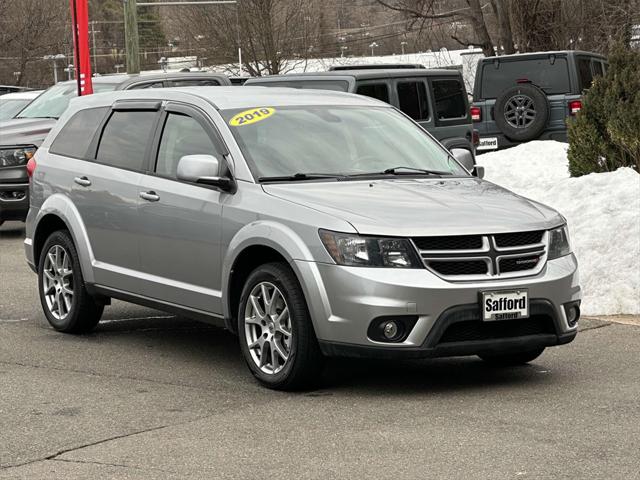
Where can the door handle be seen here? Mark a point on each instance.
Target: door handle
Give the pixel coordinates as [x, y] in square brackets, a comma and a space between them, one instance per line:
[151, 196]
[84, 181]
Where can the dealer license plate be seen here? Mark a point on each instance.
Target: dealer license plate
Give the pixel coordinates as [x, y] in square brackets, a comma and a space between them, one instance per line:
[488, 143]
[505, 305]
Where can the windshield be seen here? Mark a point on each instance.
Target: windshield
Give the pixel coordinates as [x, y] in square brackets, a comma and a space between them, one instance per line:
[53, 102]
[285, 141]
[9, 108]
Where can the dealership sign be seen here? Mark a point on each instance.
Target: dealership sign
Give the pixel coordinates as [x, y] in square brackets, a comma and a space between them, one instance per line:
[80, 20]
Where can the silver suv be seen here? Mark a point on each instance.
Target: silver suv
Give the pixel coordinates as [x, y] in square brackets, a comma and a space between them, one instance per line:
[310, 223]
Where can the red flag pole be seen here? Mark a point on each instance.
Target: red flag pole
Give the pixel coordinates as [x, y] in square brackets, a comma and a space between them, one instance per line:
[80, 18]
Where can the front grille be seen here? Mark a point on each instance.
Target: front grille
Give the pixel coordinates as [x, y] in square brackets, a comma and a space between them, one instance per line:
[465, 242]
[519, 239]
[502, 254]
[470, 267]
[476, 330]
[518, 264]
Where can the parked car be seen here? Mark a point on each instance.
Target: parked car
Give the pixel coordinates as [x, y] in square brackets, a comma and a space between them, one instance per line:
[309, 223]
[21, 136]
[523, 97]
[12, 103]
[436, 99]
[375, 66]
[4, 89]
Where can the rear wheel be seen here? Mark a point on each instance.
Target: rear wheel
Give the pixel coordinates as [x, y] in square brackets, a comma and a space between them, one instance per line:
[511, 359]
[276, 335]
[66, 303]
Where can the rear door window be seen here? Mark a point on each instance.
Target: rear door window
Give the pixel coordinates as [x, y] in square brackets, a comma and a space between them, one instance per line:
[499, 75]
[449, 96]
[182, 135]
[76, 136]
[379, 91]
[125, 138]
[141, 86]
[412, 99]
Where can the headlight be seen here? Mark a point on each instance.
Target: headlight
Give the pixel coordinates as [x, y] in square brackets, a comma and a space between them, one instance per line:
[14, 157]
[559, 242]
[357, 251]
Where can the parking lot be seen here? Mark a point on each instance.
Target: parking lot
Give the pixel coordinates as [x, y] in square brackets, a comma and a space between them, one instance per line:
[149, 395]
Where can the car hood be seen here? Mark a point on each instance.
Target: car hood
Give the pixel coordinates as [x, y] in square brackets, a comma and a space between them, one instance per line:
[421, 207]
[25, 131]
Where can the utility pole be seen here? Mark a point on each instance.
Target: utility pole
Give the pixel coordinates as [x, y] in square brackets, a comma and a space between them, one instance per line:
[131, 36]
[93, 47]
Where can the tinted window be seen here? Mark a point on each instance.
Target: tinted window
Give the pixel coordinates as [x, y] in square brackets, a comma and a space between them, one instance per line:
[584, 73]
[598, 68]
[75, 137]
[413, 100]
[181, 136]
[552, 78]
[375, 90]
[125, 138]
[195, 83]
[449, 97]
[141, 86]
[335, 85]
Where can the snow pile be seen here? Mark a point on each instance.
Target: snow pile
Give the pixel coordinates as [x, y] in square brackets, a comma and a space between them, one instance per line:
[603, 213]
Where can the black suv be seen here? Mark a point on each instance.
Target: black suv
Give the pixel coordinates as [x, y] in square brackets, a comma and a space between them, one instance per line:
[21, 136]
[436, 99]
[517, 98]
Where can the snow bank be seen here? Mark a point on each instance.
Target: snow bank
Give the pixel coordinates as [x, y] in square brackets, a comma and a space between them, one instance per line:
[603, 213]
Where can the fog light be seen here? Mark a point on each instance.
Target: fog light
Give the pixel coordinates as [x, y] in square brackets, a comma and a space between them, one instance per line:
[390, 330]
[572, 311]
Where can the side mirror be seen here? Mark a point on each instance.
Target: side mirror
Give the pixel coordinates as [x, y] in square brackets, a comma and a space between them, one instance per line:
[478, 171]
[465, 157]
[204, 169]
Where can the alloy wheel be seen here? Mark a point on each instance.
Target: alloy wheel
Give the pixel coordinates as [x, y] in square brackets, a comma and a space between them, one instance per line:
[267, 327]
[519, 111]
[57, 282]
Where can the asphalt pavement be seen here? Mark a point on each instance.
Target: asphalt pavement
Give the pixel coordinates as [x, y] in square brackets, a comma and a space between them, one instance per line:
[152, 396]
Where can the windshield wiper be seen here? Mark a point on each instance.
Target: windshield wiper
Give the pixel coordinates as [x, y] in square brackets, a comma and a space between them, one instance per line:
[299, 176]
[399, 171]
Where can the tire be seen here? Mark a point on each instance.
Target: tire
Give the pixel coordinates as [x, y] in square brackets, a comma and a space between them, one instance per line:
[65, 301]
[512, 359]
[522, 112]
[267, 332]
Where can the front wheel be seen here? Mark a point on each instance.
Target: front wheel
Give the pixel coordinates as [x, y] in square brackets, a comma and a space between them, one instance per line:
[66, 303]
[276, 335]
[511, 359]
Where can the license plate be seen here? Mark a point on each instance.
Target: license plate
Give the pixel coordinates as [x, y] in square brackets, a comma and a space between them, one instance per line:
[505, 305]
[488, 143]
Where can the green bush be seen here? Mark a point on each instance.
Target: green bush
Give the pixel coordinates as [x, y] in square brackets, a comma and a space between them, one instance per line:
[605, 135]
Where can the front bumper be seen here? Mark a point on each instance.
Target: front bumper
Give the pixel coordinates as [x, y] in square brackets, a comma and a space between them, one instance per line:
[344, 300]
[14, 201]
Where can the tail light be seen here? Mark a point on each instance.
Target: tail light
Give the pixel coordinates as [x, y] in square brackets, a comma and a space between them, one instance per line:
[476, 114]
[575, 106]
[31, 167]
[476, 138]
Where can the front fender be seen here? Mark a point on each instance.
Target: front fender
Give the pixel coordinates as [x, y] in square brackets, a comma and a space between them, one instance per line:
[61, 206]
[279, 237]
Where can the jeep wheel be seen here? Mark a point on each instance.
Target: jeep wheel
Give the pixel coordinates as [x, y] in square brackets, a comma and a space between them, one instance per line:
[512, 359]
[66, 303]
[522, 112]
[275, 331]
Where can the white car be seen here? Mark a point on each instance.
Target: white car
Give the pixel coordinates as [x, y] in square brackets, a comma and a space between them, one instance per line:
[12, 103]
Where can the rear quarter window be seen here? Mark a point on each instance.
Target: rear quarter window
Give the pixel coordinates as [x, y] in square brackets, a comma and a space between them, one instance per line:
[76, 135]
[449, 96]
[379, 91]
[552, 78]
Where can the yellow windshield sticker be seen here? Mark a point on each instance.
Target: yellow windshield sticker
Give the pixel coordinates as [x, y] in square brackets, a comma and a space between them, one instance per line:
[251, 116]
